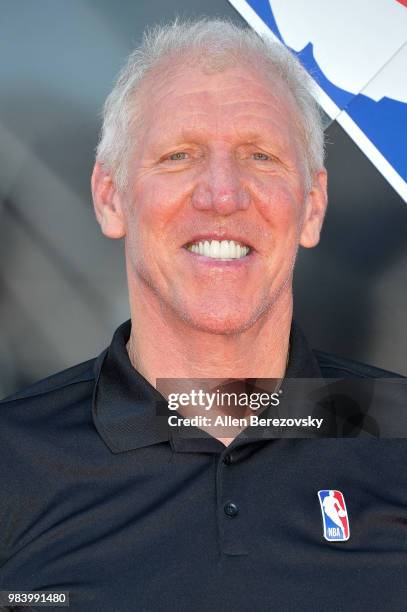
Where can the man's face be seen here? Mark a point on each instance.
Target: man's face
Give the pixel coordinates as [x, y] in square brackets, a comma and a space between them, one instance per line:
[218, 158]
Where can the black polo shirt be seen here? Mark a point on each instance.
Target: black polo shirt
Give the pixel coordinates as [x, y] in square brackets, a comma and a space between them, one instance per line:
[127, 516]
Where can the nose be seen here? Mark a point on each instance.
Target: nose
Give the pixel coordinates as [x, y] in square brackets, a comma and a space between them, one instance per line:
[220, 187]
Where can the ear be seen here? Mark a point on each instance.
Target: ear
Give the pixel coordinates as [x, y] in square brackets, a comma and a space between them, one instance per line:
[315, 207]
[107, 202]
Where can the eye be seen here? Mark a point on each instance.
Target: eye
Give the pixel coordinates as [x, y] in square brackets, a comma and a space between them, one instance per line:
[260, 156]
[179, 156]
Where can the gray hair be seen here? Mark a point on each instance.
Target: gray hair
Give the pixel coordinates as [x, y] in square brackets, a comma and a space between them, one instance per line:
[214, 41]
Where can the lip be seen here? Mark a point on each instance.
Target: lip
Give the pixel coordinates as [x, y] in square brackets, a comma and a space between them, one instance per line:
[221, 236]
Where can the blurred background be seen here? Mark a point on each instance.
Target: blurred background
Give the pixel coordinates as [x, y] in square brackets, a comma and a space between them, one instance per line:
[62, 284]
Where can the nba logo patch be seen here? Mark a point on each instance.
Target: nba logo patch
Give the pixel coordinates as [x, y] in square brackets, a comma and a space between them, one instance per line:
[334, 515]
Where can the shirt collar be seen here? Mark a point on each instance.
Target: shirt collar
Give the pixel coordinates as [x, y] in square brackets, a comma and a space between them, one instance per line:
[126, 407]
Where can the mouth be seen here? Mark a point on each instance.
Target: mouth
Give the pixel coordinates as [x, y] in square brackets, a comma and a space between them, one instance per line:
[224, 250]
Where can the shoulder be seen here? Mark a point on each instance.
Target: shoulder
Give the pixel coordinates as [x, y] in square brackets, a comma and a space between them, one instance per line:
[333, 366]
[64, 384]
[54, 413]
[46, 434]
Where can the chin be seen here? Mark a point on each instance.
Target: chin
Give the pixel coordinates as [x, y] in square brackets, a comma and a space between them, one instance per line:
[228, 323]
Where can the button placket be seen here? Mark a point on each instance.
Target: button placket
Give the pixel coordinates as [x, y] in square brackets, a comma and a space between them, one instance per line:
[230, 504]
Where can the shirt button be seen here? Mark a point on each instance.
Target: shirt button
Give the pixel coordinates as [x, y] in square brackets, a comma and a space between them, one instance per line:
[227, 459]
[230, 509]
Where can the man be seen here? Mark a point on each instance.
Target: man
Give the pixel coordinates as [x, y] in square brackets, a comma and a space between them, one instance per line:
[210, 166]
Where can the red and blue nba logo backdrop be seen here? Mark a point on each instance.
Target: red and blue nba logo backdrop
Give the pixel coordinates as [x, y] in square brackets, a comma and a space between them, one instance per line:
[334, 515]
[356, 53]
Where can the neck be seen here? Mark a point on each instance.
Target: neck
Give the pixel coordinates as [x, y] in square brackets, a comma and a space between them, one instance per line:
[163, 346]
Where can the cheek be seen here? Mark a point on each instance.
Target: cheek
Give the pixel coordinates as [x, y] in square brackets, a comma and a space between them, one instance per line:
[157, 199]
[280, 204]
[153, 217]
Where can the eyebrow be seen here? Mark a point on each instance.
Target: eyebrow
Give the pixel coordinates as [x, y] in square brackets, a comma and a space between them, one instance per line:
[271, 138]
[196, 135]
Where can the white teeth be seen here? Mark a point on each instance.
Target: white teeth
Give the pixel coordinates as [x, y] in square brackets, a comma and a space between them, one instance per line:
[224, 249]
[219, 249]
[215, 249]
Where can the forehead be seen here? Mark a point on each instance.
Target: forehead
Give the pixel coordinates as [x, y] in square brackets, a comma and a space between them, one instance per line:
[237, 102]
